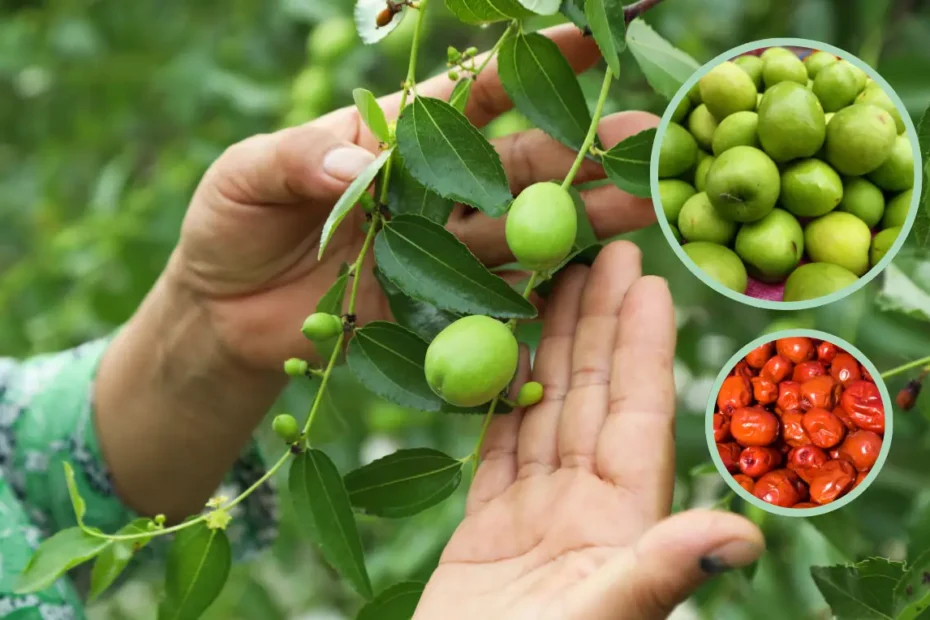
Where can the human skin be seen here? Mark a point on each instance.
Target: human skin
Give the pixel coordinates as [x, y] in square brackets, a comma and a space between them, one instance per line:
[568, 515]
[184, 384]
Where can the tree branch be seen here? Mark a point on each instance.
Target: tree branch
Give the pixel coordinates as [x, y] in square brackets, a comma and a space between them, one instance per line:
[636, 9]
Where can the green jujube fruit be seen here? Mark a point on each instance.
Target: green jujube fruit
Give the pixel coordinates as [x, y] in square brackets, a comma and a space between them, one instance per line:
[771, 247]
[743, 184]
[859, 139]
[863, 199]
[727, 89]
[877, 96]
[719, 263]
[897, 209]
[861, 77]
[672, 194]
[738, 129]
[752, 65]
[839, 238]
[677, 153]
[791, 122]
[285, 426]
[321, 326]
[541, 226]
[700, 173]
[783, 68]
[471, 361]
[881, 243]
[810, 188]
[700, 221]
[675, 232]
[897, 173]
[815, 280]
[681, 112]
[702, 125]
[815, 62]
[694, 94]
[775, 51]
[836, 86]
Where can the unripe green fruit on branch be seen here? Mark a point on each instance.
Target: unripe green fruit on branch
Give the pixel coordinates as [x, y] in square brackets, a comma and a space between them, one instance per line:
[321, 326]
[541, 226]
[530, 393]
[471, 361]
[285, 427]
[295, 367]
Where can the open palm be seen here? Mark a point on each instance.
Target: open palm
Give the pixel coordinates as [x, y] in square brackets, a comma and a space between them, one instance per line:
[565, 516]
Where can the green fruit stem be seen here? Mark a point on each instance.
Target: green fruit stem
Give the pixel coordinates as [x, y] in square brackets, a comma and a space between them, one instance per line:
[592, 131]
[514, 26]
[925, 361]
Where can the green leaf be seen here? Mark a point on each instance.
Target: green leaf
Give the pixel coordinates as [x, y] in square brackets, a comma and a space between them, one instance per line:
[389, 359]
[80, 507]
[542, 7]
[702, 469]
[113, 560]
[585, 235]
[665, 66]
[543, 86]
[398, 602]
[627, 163]
[407, 195]
[863, 590]
[459, 97]
[608, 25]
[331, 301]
[906, 287]
[921, 230]
[420, 317]
[429, 263]
[574, 11]
[404, 483]
[366, 20]
[447, 154]
[372, 114]
[912, 592]
[345, 203]
[57, 555]
[320, 498]
[487, 11]
[197, 568]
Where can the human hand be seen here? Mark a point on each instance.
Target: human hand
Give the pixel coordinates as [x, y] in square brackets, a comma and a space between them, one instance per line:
[568, 515]
[248, 249]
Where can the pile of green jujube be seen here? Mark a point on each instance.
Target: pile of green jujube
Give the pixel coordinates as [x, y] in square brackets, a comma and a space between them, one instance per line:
[770, 160]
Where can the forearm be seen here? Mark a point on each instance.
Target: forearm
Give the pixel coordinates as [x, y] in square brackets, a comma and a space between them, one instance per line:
[173, 409]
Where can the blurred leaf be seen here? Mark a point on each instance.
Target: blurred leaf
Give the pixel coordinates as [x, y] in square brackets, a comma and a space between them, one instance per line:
[912, 592]
[703, 469]
[446, 153]
[388, 360]
[113, 560]
[197, 569]
[574, 11]
[429, 263]
[921, 232]
[543, 86]
[585, 235]
[320, 499]
[627, 163]
[666, 67]
[372, 114]
[57, 555]
[331, 301]
[404, 483]
[486, 11]
[863, 590]
[77, 502]
[418, 316]
[902, 292]
[395, 603]
[366, 19]
[406, 195]
[459, 97]
[345, 203]
[608, 25]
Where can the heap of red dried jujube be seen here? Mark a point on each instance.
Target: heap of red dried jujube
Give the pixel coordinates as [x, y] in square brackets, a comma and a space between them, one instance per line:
[799, 422]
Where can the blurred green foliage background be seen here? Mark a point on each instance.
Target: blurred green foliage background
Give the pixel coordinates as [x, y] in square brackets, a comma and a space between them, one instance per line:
[111, 111]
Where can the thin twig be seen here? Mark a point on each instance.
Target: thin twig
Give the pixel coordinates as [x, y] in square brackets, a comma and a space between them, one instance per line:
[636, 9]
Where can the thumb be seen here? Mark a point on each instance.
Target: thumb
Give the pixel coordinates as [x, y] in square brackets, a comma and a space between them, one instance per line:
[297, 164]
[671, 560]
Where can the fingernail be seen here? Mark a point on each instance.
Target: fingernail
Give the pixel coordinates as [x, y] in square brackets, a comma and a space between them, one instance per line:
[734, 554]
[346, 162]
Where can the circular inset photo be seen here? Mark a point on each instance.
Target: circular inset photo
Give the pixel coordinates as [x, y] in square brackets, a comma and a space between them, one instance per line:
[786, 173]
[796, 423]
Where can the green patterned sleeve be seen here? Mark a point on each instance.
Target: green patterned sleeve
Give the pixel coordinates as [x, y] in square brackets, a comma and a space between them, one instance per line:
[46, 418]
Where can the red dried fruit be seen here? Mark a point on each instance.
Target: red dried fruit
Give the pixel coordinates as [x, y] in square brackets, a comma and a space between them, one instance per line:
[779, 487]
[721, 427]
[826, 351]
[755, 461]
[808, 370]
[820, 392]
[789, 398]
[845, 369]
[793, 430]
[861, 448]
[729, 453]
[764, 391]
[745, 481]
[735, 392]
[805, 461]
[777, 369]
[825, 429]
[835, 479]
[760, 355]
[754, 426]
[863, 402]
[796, 350]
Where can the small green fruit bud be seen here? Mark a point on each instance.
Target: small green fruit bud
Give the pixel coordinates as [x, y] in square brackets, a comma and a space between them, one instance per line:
[471, 52]
[453, 55]
[530, 393]
[367, 202]
[285, 426]
[295, 367]
[453, 75]
[160, 519]
[321, 326]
